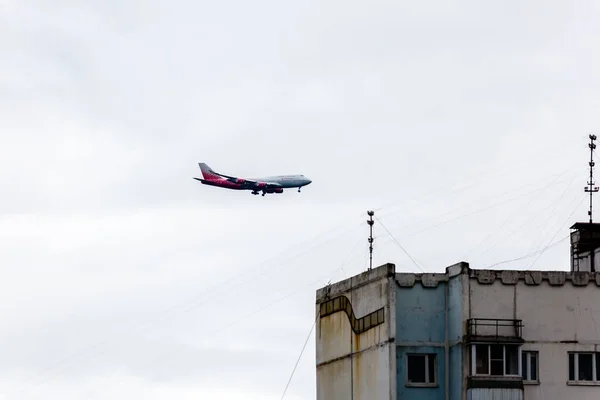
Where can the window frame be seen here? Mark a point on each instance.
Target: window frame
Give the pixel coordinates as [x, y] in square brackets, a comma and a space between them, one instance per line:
[595, 368]
[429, 357]
[526, 356]
[473, 368]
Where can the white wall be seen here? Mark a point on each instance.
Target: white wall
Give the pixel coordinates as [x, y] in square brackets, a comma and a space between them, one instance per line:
[550, 314]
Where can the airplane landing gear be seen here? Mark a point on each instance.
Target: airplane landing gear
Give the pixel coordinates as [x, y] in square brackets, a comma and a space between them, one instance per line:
[254, 192]
[264, 193]
[298, 190]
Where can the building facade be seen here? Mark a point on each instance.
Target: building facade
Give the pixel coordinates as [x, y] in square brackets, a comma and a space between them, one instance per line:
[460, 335]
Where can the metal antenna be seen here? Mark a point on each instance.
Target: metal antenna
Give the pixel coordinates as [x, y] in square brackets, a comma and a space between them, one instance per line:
[591, 189]
[370, 222]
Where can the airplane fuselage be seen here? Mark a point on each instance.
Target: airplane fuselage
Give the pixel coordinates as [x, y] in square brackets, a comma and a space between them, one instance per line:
[286, 181]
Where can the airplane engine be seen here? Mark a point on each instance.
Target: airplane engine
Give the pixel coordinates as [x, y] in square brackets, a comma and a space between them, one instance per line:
[240, 181]
[274, 190]
[262, 184]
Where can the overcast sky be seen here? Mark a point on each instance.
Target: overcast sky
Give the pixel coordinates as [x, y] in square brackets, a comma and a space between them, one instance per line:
[463, 125]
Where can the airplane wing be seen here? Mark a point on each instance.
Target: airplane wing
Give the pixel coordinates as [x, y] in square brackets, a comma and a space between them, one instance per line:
[251, 183]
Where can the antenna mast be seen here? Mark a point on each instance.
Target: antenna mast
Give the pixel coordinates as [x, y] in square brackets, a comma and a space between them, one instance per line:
[591, 189]
[370, 222]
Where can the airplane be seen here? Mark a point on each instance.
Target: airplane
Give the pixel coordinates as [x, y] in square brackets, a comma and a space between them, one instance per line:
[271, 184]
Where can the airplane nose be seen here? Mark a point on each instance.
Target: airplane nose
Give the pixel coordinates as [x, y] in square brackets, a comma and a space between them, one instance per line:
[308, 181]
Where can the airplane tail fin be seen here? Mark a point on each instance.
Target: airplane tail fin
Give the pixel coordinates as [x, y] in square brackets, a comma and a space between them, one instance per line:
[207, 172]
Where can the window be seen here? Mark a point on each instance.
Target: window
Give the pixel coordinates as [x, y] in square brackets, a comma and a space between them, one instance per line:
[584, 367]
[529, 366]
[495, 359]
[421, 369]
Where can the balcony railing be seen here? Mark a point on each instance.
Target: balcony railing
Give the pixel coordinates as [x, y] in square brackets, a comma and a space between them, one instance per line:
[495, 328]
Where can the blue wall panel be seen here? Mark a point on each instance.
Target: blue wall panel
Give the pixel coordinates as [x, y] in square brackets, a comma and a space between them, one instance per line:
[455, 377]
[420, 314]
[455, 309]
[420, 328]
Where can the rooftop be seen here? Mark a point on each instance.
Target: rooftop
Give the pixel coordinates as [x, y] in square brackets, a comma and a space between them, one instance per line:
[483, 276]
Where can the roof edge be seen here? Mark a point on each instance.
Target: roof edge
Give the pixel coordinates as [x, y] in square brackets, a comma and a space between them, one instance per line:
[382, 272]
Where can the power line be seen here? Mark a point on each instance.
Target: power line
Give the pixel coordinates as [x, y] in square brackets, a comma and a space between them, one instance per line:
[557, 231]
[530, 254]
[161, 359]
[507, 220]
[539, 252]
[555, 206]
[475, 211]
[476, 181]
[398, 243]
[520, 227]
[94, 350]
[300, 356]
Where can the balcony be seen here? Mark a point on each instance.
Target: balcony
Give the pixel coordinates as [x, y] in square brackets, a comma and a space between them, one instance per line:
[494, 330]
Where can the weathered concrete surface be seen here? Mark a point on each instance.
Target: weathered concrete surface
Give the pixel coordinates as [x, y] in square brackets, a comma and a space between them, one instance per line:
[357, 366]
[333, 380]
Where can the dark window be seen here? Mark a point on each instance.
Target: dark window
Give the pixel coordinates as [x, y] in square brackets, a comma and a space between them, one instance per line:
[529, 366]
[482, 359]
[416, 369]
[533, 366]
[511, 356]
[421, 368]
[584, 367]
[585, 364]
[496, 359]
[571, 367]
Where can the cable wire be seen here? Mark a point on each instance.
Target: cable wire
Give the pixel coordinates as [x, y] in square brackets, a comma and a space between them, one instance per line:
[558, 230]
[539, 252]
[163, 359]
[300, 356]
[526, 222]
[507, 220]
[530, 254]
[94, 350]
[398, 243]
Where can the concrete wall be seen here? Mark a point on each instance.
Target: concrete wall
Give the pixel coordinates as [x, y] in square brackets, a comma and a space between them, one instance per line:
[456, 302]
[351, 364]
[421, 328]
[429, 317]
[556, 308]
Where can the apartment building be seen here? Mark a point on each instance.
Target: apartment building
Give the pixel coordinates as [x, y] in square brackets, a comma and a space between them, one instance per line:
[465, 334]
